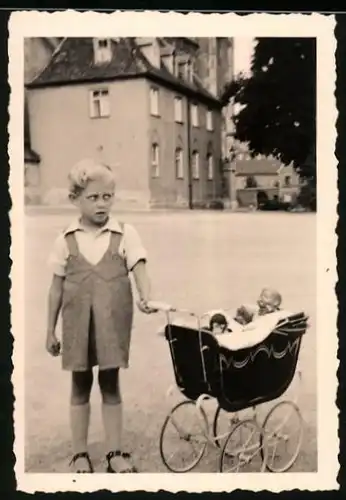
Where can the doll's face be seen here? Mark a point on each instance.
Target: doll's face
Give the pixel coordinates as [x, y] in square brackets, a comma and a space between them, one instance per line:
[267, 302]
[218, 329]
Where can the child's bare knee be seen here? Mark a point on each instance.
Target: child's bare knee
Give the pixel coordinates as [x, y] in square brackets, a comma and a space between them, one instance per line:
[81, 387]
[109, 385]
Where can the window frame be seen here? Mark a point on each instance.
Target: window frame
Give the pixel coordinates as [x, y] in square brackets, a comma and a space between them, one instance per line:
[181, 65]
[194, 115]
[178, 101]
[104, 110]
[179, 174]
[195, 165]
[154, 104]
[104, 52]
[155, 160]
[210, 120]
[210, 171]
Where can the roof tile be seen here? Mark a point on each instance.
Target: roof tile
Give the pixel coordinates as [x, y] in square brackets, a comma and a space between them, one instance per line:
[74, 62]
[257, 167]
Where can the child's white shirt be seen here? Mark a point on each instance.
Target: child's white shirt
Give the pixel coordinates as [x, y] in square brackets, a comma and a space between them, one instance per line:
[93, 245]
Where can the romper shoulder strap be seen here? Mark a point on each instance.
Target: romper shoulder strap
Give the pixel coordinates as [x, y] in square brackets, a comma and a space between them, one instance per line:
[116, 239]
[72, 245]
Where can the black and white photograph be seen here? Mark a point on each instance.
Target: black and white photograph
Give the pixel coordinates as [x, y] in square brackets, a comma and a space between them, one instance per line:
[173, 225]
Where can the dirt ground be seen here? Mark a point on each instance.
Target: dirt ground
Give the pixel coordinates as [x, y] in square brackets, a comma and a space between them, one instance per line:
[199, 261]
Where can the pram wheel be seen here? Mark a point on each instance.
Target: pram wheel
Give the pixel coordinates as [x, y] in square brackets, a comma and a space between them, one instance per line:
[242, 451]
[183, 437]
[283, 432]
[223, 423]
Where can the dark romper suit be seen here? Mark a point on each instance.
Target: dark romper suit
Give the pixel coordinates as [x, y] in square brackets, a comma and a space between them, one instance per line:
[97, 309]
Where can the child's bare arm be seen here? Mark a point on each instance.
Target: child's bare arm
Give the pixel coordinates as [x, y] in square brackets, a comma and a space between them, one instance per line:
[143, 285]
[54, 307]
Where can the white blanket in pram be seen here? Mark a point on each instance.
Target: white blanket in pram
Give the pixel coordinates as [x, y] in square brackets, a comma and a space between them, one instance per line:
[239, 336]
[244, 336]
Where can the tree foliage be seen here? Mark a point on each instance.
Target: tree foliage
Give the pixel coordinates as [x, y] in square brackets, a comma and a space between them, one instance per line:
[277, 102]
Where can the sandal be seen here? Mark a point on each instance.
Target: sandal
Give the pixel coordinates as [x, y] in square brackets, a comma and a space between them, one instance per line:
[124, 455]
[85, 455]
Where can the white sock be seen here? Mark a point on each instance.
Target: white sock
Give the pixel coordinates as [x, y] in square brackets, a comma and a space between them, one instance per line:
[79, 421]
[113, 423]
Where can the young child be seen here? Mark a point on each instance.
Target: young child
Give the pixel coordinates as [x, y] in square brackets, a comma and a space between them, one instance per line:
[91, 261]
[268, 302]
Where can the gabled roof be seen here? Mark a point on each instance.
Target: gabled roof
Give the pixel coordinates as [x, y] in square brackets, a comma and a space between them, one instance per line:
[74, 63]
[257, 167]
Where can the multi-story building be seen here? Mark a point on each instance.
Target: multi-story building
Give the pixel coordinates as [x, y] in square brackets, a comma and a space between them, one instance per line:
[143, 106]
[37, 54]
[215, 67]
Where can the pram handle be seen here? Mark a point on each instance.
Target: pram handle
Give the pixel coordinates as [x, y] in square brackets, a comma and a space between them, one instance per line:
[161, 306]
[167, 308]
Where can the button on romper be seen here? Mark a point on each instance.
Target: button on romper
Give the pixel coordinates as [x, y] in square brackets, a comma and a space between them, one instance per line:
[97, 309]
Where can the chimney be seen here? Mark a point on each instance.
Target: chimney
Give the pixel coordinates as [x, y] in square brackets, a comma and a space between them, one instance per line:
[184, 67]
[151, 50]
[168, 57]
[213, 66]
[102, 50]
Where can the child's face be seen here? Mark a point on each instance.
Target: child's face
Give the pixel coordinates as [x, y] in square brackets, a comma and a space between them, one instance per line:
[95, 202]
[267, 303]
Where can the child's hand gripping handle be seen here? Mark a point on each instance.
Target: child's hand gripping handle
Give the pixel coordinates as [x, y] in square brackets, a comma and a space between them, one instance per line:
[151, 306]
[161, 306]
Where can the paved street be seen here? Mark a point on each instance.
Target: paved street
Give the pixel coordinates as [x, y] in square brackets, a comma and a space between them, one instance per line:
[197, 260]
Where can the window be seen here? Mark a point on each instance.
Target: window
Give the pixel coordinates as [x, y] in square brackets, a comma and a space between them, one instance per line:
[178, 109]
[209, 120]
[195, 165]
[251, 182]
[154, 102]
[103, 43]
[210, 161]
[103, 50]
[194, 115]
[99, 103]
[287, 181]
[155, 153]
[181, 70]
[179, 166]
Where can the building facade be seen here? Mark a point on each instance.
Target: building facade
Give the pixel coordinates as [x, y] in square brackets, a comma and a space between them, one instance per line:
[140, 106]
[37, 54]
[258, 175]
[215, 67]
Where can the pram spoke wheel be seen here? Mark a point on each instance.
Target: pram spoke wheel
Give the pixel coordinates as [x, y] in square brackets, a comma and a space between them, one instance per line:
[222, 425]
[183, 438]
[242, 450]
[283, 432]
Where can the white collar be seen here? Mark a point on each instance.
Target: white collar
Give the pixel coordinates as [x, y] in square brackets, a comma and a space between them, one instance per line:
[111, 225]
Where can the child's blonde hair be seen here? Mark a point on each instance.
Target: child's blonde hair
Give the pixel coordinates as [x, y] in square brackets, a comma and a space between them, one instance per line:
[85, 171]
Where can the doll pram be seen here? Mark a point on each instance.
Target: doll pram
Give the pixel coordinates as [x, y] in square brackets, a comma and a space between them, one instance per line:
[239, 379]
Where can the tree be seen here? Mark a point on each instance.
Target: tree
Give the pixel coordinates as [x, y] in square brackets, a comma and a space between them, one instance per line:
[277, 102]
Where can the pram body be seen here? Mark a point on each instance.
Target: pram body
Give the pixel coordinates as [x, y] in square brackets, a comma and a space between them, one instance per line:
[236, 379]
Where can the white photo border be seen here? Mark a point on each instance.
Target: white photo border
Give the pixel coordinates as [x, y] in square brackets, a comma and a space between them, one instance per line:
[70, 23]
